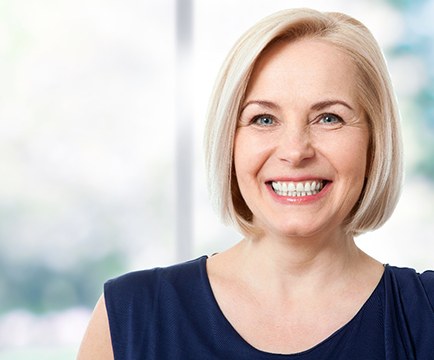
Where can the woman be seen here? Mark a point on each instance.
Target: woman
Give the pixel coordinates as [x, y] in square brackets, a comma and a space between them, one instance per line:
[303, 153]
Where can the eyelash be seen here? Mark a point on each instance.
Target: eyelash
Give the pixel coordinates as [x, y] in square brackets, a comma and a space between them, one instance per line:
[319, 119]
[256, 120]
[339, 120]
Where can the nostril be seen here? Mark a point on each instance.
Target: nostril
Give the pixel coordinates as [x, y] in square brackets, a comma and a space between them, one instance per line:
[295, 149]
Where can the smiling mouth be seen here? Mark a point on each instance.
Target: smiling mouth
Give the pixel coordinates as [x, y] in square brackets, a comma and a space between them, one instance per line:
[299, 188]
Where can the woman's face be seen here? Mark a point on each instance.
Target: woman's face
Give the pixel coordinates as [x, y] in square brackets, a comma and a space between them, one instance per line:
[302, 140]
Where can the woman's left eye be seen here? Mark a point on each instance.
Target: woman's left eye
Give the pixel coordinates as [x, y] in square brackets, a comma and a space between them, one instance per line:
[263, 120]
[330, 119]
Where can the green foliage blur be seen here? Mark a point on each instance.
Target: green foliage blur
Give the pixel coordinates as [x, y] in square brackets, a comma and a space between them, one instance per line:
[418, 41]
[34, 286]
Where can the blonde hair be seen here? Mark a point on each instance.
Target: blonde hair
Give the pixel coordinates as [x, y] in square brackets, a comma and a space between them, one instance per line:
[382, 188]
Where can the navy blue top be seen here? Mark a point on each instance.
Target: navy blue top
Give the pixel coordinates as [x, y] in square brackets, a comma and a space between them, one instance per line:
[171, 313]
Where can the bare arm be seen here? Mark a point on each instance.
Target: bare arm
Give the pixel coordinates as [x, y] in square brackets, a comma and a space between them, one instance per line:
[96, 344]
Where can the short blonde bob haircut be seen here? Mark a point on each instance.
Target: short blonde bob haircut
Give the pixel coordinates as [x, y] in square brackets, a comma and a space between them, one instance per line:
[384, 176]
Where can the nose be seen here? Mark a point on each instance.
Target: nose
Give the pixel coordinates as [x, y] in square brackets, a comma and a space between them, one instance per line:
[295, 145]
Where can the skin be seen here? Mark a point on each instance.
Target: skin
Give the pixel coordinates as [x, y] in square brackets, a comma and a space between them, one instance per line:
[295, 92]
[96, 344]
[303, 277]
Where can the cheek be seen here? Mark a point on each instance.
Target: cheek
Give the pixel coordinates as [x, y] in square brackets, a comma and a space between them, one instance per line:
[249, 152]
[240, 159]
[359, 148]
[239, 153]
[348, 152]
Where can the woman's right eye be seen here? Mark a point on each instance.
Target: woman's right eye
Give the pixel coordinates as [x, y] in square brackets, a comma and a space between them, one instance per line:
[263, 120]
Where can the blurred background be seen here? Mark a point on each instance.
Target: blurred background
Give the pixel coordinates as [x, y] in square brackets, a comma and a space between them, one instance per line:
[102, 107]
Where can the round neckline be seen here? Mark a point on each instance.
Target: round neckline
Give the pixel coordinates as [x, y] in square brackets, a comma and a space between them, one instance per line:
[236, 335]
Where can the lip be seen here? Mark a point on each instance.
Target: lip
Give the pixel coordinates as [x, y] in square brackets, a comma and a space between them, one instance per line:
[296, 179]
[307, 199]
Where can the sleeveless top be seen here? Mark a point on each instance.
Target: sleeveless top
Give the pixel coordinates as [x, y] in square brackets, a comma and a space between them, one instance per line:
[171, 313]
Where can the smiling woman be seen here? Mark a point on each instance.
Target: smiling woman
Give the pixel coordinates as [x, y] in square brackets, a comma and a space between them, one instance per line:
[303, 153]
[368, 81]
[306, 138]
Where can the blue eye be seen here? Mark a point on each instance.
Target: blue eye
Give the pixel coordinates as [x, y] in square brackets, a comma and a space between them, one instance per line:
[330, 119]
[263, 120]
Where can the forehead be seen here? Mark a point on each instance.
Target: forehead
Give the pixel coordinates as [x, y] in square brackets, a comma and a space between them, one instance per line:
[304, 67]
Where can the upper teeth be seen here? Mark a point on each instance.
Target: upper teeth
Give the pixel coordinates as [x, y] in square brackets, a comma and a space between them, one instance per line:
[291, 188]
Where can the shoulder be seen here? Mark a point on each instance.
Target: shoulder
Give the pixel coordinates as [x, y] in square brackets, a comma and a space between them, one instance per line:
[427, 279]
[409, 300]
[409, 284]
[139, 283]
[96, 343]
[139, 291]
[139, 301]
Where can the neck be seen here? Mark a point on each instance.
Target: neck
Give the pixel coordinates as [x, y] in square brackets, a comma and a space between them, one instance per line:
[289, 262]
[302, 252]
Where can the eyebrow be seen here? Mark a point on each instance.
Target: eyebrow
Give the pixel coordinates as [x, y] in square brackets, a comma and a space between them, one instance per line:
[323, 104]
[317, 106]
[267, 104]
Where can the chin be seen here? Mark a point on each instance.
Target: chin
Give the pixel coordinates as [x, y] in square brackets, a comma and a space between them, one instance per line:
[293, 230]
[297, 233]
